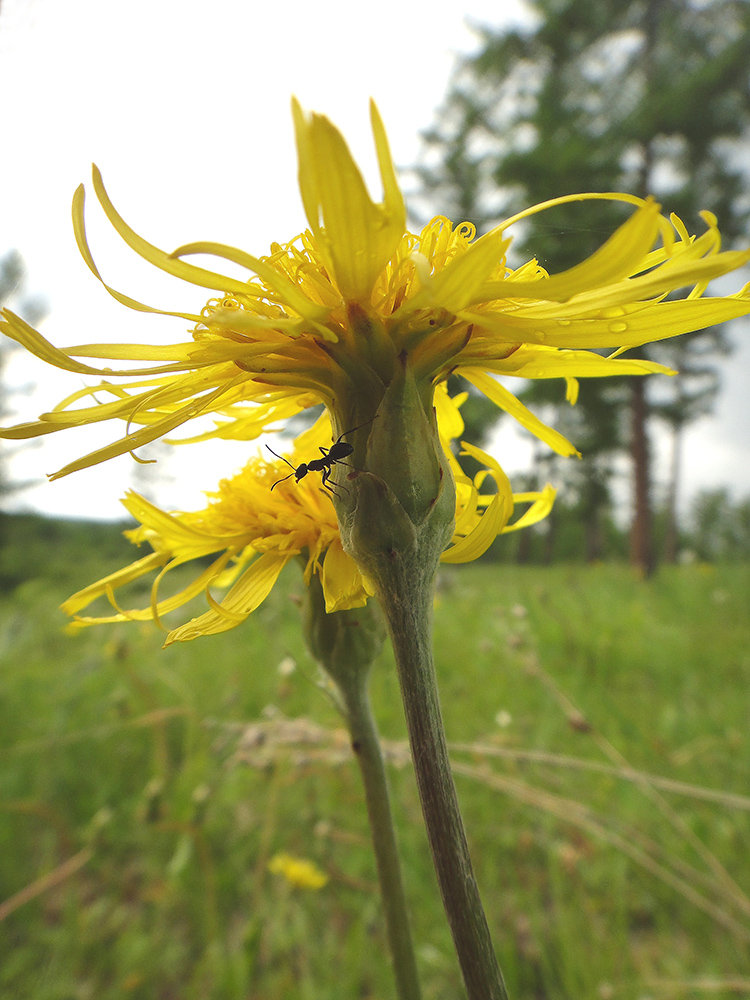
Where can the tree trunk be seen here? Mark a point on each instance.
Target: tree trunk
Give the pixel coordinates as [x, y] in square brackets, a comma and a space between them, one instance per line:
[593, 540]
[671, 534]
[641, 534]
[523, 552]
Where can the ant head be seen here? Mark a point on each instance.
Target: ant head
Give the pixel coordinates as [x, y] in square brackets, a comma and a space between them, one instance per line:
[300, 472]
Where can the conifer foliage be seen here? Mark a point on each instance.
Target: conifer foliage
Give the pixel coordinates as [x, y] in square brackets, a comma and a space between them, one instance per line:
[645, 96]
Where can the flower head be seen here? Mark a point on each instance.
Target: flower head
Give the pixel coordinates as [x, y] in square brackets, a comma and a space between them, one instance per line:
[299, 872]
[329, 317]
[253, 530]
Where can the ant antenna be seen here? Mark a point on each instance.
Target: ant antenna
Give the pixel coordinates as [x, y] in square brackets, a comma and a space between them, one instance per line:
[292, 473]
[282, 459]
[359, 427]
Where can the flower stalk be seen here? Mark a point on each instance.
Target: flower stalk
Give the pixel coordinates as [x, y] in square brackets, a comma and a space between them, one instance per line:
[345, 643]
[396, 523]
[408, 611]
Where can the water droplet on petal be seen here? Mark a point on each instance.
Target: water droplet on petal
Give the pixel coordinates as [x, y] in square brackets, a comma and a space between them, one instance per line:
[563, 322]
[618, 327]
[539, 335]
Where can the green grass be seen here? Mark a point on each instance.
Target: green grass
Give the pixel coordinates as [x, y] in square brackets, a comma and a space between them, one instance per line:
[111, 744]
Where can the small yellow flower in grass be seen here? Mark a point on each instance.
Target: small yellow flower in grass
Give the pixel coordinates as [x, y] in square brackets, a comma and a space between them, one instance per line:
[329, 317]
[299, 872]
[253, 531]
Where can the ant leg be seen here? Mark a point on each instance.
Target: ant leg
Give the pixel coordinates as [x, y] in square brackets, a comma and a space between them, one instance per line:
[351, 475]
[329, 486]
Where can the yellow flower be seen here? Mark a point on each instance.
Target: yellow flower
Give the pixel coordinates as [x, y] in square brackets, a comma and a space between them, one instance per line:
[299, 872]
[329, 316]
[254, 530]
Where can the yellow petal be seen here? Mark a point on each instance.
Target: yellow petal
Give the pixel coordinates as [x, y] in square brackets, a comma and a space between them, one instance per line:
[155, 610]
[20, 331]
[79, 229]
[566, 199]
[678, 272]
[343, 586]
[393, 200]
[275, 279]
[184, 541]
[629, 326]
[481, 537]
[358, 236]
[615, 260]
[463, 279]
[449, 417]
[539, 509]
[150, 433]
[540, 361]
[492, 521]
[159, 258]
[253, 587]
[186, 356]
[508, 402]
[83, 598]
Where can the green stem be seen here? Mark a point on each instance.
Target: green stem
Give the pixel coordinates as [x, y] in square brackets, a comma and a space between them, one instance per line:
[395, 522]
[345, 643]
[408, 609]
[367, 749]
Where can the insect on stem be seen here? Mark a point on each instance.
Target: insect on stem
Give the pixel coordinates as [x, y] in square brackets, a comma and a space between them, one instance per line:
[334, 455]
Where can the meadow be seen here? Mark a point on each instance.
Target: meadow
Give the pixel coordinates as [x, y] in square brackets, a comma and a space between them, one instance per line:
[599, 730]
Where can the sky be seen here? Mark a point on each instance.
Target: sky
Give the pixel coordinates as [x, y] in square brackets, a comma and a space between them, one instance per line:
[184, 106]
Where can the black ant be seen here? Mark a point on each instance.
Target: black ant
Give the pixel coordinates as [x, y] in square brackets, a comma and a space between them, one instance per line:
[334, 455]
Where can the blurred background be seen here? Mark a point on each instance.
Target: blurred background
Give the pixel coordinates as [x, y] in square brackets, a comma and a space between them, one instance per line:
[595, 670]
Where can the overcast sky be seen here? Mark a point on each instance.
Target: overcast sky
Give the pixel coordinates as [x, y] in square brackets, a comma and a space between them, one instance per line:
[185, 108]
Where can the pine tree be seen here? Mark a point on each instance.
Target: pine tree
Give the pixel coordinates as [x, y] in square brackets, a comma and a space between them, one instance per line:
[647, 96]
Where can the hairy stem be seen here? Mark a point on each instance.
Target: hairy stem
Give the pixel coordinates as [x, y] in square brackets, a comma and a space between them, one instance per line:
[407, 607]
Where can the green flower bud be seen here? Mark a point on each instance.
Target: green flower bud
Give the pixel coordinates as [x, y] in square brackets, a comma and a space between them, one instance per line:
[344, 643]
[403, 446]
[400, 507]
